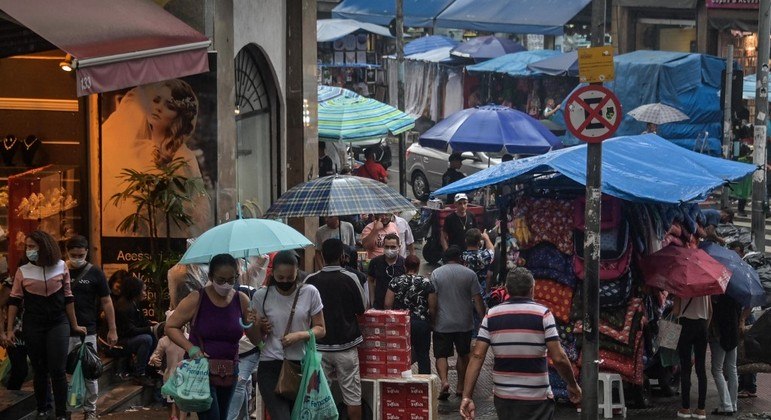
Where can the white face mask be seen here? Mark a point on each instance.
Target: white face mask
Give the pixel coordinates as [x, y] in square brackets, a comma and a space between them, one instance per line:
[77, 262]
[222, 289]
[391, 253]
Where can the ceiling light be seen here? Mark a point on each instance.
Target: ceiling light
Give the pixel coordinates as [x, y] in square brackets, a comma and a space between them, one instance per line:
[66, 65]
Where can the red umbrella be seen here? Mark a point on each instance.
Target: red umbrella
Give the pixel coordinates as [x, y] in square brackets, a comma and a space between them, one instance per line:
[685, 272]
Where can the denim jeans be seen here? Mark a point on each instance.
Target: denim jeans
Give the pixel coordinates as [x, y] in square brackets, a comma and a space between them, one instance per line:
[142, 345]
[239, 404]
[725, 376]
[420, 334]
[92, 387]
[220, 403]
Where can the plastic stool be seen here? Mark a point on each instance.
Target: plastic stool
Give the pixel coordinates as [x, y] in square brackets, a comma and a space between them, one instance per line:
[606, 383]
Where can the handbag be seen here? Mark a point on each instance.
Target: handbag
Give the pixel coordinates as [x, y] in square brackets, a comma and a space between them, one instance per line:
[291, 373]
[669, 330]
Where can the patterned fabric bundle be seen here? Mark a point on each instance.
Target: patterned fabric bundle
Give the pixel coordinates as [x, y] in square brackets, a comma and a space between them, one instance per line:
[545, 261]
[634, 320]
[549, 220]
[557, 297]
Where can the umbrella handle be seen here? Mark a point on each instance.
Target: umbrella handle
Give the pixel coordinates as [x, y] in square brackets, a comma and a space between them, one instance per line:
[239, 211]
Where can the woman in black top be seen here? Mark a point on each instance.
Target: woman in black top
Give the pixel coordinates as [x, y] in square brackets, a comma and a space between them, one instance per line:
[135, 332]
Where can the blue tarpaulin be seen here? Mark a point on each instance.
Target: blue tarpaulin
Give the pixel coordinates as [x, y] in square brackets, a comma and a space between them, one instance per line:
[641, 168]
[514, 64]
[417, 13]
[689, 82]
[561, 65]
[546, 17]
[428, 43]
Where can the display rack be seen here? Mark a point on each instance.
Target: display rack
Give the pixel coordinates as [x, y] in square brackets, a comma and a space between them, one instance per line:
[43, 198]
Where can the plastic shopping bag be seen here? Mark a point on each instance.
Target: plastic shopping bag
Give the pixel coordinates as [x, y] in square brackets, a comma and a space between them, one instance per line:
[189, 386]
[669, 334]
[5, 369]
[314, 401]
[77, 391]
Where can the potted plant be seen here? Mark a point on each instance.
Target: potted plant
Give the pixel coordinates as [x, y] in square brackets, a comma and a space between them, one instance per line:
[160, 194]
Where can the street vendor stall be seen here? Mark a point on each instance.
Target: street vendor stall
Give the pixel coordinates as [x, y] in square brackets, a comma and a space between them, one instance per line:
[652, 188]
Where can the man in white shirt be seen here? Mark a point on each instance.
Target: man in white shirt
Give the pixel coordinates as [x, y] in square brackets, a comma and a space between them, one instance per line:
[407, 241]
[334, 228]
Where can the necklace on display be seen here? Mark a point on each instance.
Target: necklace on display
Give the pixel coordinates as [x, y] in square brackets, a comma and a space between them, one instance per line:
[9, 142]
[30, 141]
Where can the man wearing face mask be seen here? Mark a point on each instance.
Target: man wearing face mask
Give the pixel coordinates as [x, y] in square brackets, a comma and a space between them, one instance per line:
[374, 234]
[383, 269]
[90, 289]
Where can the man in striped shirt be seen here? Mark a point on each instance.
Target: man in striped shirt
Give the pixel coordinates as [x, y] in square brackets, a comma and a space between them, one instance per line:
[521, 334]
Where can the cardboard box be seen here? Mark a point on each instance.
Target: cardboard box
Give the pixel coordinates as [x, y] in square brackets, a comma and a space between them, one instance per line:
[399, 356]
[372, 369]
[398, 343]
[391, 414]
[417, 415]
[372, 355]
[393, 396]
[397, 330]
[373, 332]
[369, 344]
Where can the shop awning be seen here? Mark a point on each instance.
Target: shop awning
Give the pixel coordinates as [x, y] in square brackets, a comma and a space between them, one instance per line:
[665, 4]
[332, 29]
[641, 168]
[417, 13]
[547, 17]
[115, 44]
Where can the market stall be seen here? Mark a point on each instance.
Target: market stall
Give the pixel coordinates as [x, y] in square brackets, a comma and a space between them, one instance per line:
[652, 191]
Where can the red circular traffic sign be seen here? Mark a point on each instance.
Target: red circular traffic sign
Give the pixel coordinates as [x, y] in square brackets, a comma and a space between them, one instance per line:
[593, 113]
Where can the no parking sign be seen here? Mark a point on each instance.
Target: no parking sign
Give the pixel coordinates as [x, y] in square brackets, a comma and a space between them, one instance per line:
[593, 113]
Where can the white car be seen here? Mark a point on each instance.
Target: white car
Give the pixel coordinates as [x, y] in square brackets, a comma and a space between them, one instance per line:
[425, 167]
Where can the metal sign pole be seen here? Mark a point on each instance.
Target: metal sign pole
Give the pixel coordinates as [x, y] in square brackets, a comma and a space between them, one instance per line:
[591, 293]
[761, 117]
[728, 92]
[400, 93]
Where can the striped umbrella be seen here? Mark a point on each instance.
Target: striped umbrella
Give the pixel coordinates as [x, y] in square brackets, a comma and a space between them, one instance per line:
[355, 119]
[326, 93]
[338, 195]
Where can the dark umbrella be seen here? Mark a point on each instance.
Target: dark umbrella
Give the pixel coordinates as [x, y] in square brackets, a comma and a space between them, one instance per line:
[744, 285]
[486, 47]
[686, 272]
[491, 128]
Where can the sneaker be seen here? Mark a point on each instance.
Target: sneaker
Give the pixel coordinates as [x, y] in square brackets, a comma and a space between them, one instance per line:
[699, 414]
[42, 415]
[90, 415]
[684, 414]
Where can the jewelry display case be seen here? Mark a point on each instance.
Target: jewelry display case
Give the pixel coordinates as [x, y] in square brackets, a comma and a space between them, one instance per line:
[44, 198]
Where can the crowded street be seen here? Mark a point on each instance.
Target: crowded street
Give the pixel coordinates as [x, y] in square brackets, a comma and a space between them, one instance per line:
[385, 209]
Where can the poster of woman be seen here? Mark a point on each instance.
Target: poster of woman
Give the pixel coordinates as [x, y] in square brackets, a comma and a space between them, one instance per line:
[150, 126]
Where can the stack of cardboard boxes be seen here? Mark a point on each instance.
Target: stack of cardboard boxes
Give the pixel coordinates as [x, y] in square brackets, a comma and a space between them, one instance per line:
[405, 401]
[386, 351]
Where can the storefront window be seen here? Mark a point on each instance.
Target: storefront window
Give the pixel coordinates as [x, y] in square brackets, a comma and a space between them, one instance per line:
[257, 153]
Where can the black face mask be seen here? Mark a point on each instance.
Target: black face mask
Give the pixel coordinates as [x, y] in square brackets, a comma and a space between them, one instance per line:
[284, 286]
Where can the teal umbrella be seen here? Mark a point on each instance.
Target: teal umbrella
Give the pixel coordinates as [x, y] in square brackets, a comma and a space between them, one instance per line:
[243, 238]
[351, 119]
[326, 93]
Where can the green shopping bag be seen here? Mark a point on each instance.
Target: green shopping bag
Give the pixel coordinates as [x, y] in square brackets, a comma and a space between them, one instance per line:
[189, 386]
[5, 369]
[314, 400]
[76, 392]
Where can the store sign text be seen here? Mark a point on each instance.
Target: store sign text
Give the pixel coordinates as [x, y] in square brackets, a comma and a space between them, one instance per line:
[733, 4]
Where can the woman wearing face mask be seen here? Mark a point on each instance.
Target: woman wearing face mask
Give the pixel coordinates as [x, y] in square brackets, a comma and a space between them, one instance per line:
[218, 316]
[42, 285]
[273, 305]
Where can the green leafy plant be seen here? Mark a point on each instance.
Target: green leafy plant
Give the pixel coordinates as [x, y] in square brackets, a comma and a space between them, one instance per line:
[159, 194]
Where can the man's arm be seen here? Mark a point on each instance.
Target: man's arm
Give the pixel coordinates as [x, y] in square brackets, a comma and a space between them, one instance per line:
[371, 283]
[565, 370]
[318, 261]
[432, 307]
[109, 314]
[488, 243]
[443, 238]
[467, 407]
[479, 305]
[389, 299]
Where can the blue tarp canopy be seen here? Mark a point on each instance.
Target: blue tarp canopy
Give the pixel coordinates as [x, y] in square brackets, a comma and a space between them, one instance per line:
[641, 168]
[546, 17]
[428, 43]
[417, 13]
[688, 82]
[514, 64]
[331, 29]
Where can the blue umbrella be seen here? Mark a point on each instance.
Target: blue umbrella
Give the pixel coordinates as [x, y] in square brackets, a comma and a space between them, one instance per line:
[491, 128]
[744, 285]
[428, 43]
[338, 195]
[326, 93]
[243, 238]
[560, 65]
[486, 47]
